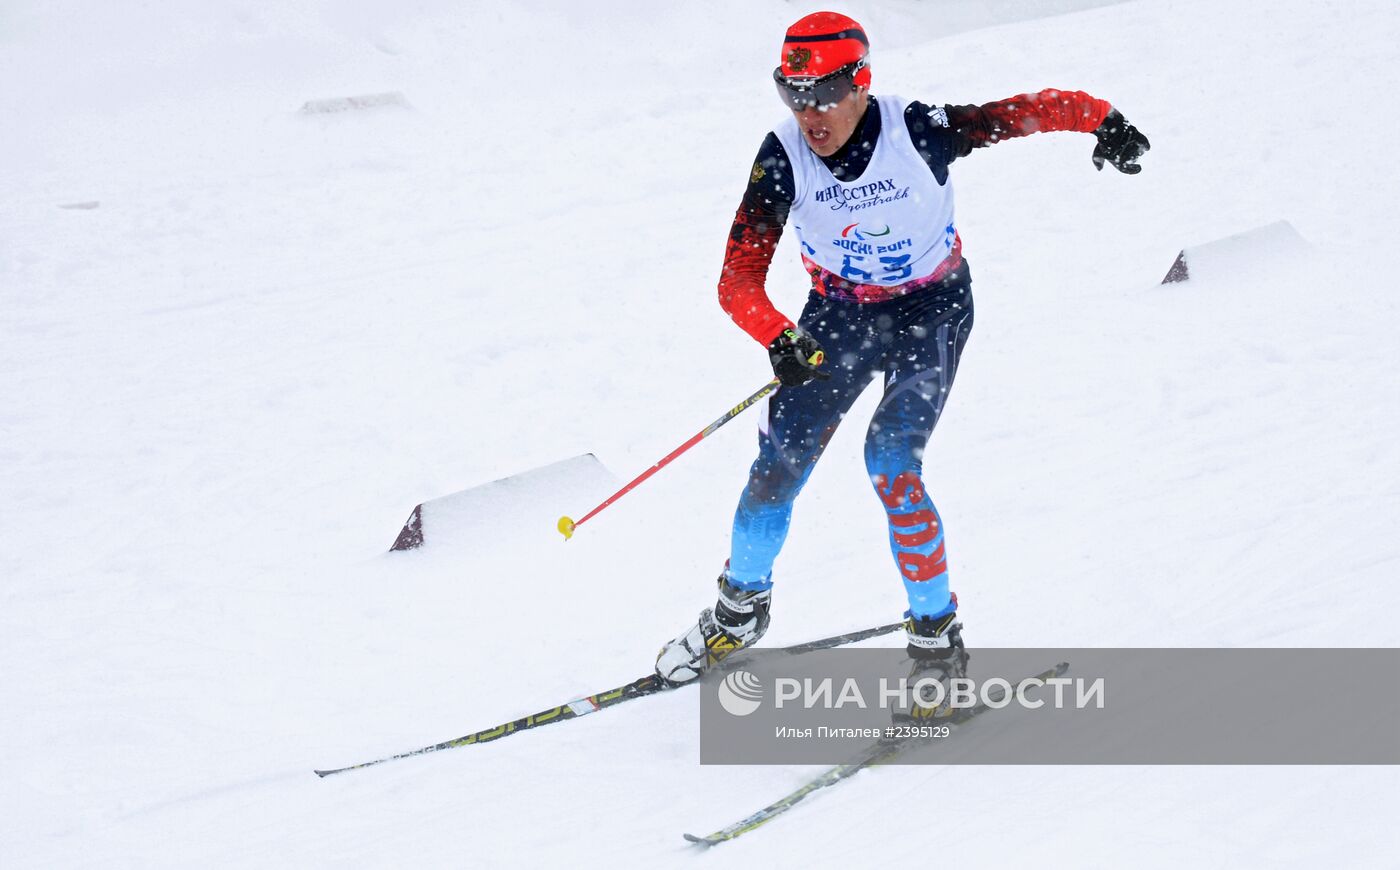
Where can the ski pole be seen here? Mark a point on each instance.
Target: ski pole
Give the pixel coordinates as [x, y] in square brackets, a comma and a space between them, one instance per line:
[567, 525]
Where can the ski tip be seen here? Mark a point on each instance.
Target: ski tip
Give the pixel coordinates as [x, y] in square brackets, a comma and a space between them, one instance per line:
[702, 842]
[323, 773]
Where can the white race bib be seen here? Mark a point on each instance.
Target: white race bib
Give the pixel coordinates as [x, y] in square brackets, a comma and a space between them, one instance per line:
[892, 225]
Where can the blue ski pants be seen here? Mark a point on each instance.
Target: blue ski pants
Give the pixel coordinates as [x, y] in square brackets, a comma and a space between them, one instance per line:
[913, 342]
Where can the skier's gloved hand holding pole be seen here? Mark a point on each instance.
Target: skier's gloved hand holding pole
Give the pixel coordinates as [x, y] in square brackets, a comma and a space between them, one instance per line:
[796, 358]
[1120, 144]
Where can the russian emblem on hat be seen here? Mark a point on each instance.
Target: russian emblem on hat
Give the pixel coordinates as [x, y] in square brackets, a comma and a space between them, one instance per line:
[822, 43]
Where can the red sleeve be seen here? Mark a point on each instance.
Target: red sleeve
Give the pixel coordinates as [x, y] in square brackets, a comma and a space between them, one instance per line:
[1045, 112]
[752, 240]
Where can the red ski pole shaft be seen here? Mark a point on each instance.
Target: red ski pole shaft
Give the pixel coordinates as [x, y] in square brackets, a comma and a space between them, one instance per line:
[567, 525]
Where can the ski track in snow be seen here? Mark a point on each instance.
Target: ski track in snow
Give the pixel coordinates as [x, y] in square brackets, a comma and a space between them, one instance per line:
[223, 389]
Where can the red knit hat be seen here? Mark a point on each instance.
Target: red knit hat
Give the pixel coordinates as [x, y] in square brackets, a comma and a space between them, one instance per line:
[822, 43]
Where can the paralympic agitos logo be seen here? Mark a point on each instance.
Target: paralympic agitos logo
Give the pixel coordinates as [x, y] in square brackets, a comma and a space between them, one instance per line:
[867, 234]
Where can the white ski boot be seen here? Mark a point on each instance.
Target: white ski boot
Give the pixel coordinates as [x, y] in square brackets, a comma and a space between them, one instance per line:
[738, 619]
[936, 652]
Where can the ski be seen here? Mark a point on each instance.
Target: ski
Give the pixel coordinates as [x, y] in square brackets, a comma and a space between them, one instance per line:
[651, 684]
[875, 754]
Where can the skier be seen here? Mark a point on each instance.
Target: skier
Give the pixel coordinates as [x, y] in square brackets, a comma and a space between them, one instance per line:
[865, 180]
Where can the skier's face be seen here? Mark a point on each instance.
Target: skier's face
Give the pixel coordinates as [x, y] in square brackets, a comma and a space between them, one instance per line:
[826, 130]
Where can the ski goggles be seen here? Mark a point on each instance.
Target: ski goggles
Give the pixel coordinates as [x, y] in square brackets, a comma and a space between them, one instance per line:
[821, 92]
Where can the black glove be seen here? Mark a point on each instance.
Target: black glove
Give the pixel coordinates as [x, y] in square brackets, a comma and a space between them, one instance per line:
[795, 357]
[1120, 143]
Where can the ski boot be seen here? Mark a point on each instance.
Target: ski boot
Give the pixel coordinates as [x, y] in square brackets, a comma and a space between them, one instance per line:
[738, 619]
[936, 652]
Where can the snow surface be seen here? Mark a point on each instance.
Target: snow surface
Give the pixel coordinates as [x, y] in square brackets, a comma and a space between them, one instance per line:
[223, 388]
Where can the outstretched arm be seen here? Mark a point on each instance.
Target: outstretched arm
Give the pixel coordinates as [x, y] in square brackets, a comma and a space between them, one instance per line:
[1046, 112]
[946, 133]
